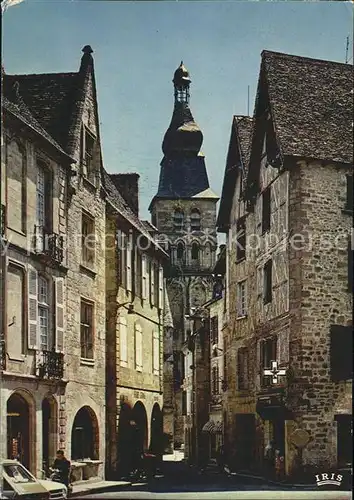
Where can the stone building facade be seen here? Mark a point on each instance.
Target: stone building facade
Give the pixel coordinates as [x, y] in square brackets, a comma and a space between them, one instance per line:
[34, 181]
[135, 298]
[294, 187]
[184, 211]
[55, 176]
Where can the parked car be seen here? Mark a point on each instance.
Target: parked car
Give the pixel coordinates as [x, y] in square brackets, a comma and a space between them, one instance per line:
[18, 482]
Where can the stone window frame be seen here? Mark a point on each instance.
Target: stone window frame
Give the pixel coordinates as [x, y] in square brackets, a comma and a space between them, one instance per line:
[88, 156]
[87, 347]
[241, 311]
[195, 252]
[267, 281]
[87, 254]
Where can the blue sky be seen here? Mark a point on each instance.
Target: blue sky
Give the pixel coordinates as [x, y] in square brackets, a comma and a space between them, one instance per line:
[138, 45]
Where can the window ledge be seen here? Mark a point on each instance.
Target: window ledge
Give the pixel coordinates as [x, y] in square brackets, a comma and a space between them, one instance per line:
[124, 364]
[21, 233]
[88, 270]
[87, 362]
[138, 369]
[347, 211]
[20, 358]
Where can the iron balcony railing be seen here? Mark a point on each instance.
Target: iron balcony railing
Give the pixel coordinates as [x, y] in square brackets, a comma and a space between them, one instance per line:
[50, 364]
[50, 245]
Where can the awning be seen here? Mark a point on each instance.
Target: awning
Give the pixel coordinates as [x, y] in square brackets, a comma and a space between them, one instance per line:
[212, 427]
[209, 427]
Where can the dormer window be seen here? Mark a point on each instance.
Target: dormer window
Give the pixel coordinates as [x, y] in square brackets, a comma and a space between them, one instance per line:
[195, 220]
[88, 154]
[178, 220]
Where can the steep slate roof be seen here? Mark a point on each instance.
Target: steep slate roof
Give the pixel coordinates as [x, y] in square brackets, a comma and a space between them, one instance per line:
[21, 111]
[122, 207]
[237, 160]
[50, 97]
[311, 102]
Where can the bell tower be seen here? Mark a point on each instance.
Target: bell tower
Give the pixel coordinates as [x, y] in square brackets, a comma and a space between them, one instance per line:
[184, 212]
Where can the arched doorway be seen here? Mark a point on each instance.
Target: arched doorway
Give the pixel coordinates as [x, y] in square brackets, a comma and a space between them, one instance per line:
[123, 440]
[49, 431]
[84, 435]
[18, 429]
[140, 417]
[156, 440]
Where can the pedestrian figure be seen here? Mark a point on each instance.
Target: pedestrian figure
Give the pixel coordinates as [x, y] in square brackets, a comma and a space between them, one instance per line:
[137, 447]
[62, 464]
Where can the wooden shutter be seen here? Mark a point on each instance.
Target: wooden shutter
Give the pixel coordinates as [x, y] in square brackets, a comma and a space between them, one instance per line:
[156, 352]
[160, 287]
[59, 314]
[32, 329]
[129, 266]
[144, 276]
[138, 348]
[152, 283]
[274, 209]
[123, 342]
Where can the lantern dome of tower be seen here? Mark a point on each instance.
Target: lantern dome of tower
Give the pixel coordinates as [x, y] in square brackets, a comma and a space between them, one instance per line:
[183, 136]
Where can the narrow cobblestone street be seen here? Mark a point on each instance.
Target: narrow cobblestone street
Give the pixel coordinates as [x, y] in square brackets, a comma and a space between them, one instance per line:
[178, 480]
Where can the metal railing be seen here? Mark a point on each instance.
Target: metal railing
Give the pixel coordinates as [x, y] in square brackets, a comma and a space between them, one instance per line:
[50, 364]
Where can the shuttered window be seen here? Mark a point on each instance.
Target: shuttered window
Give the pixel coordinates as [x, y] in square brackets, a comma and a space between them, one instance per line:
[160, 287]
[128, 266]
[86, 329]
[138, 348]
[59, 314]
[267, 282]
[32, 330]
[156, 352]
[241, 239]
[152, 283]
[123, 342]
[144, 276]
[43, 313]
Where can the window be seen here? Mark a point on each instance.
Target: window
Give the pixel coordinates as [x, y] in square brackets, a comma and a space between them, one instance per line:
[86, 330]
[144, 268]
[267, 282]
[180, 253]
[268, 352]
[161, 285]
[138, 348]
[123, 342]
[242, 368]
[138, 274]
[266, 210]
[87, 240]
[178, 220]
[43, 195]
[121, 256]
[241, 239]
[15, 294]
[241, 299]
[195, 251]
[214, 334]
[43, 313]
[195, 220]
[155, 353]
[215, 386]
[349, 201]
[88, 155]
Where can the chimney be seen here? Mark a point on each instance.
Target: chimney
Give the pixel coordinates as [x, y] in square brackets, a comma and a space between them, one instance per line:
[128, 186]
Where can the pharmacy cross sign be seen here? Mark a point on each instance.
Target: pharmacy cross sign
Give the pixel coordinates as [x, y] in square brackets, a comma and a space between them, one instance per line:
[274, 372]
